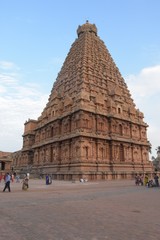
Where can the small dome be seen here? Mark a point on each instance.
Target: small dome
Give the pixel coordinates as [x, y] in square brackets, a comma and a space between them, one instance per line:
[87, 27]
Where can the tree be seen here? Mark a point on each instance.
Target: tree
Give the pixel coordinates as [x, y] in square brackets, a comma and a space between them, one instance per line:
[156, 161]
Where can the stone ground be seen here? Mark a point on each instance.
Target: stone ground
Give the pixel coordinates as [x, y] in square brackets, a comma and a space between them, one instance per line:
[112, 210]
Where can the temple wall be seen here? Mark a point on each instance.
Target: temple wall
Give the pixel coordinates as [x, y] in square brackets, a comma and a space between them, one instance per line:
[89, 141]
[88, 123]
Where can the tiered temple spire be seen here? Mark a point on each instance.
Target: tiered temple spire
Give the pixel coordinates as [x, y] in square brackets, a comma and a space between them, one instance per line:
[90, 126]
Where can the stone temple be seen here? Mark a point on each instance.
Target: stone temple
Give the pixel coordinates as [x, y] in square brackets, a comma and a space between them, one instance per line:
[90, 126]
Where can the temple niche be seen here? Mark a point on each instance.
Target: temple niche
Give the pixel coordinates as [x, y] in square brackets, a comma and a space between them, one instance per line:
[90, 126]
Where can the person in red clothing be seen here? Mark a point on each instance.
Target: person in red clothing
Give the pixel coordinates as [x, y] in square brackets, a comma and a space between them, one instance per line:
[1, 177]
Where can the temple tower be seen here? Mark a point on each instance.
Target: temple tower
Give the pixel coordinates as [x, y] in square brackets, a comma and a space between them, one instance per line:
[90, 126]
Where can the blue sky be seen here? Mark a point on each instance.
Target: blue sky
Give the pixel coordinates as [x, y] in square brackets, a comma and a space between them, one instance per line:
[36, 36]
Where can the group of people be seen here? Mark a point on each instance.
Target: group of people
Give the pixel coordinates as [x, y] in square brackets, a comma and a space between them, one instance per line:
[139, 180]
[12, 176]
[48, 179]
[25, 181]
[83, 180]
[146, 181]
[9, 177]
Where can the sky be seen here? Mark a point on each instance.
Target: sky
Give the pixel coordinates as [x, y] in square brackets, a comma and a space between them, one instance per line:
[36, 36]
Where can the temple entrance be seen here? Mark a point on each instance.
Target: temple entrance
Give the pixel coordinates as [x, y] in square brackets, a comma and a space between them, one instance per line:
[2, 166]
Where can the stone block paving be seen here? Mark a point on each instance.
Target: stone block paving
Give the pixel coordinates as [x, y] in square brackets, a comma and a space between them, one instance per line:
[112, 210]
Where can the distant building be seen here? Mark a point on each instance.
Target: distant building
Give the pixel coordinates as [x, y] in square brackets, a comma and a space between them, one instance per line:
[90, 127]
[5, 161]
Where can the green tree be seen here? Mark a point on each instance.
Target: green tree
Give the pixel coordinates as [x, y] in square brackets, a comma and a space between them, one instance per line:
[156, 161]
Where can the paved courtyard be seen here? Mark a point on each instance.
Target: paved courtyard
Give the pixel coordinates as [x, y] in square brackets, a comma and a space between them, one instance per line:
[112, 210]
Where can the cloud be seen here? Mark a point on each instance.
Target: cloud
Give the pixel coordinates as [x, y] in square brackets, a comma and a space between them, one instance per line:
[146, 83]
[6, 65]
[145, 90]
[18, 102]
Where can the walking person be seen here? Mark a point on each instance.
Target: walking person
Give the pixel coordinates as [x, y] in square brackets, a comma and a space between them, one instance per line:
[47, 179]
[156, 179]
[7, 182]
[146, 179]
[50, 179]
[136, 180]
[25, 183]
